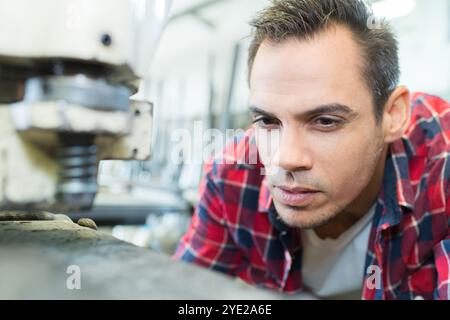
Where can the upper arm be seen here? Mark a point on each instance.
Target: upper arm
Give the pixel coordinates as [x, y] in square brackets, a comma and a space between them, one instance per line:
[442, 249]
[208, 241]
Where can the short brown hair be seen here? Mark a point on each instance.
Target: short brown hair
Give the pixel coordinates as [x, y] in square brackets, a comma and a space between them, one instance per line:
[305, 18]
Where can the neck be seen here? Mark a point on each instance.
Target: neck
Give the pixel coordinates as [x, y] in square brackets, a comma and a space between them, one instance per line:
[358, 208]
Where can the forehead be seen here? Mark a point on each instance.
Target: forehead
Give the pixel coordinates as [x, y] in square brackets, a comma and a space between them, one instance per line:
[324, 69]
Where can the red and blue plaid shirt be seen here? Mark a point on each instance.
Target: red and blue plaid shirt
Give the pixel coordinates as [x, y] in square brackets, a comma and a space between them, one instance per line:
[235, 228]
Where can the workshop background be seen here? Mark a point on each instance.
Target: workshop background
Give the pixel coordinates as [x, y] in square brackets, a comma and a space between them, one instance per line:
[198, 81]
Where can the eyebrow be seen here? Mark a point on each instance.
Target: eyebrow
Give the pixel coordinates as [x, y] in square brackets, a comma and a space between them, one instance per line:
[322, 109]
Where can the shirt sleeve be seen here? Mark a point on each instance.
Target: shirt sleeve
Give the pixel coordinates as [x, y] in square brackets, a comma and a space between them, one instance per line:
[208, 242]
[442, 255]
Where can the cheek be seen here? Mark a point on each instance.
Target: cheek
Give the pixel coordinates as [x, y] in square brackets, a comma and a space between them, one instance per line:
[350, 163]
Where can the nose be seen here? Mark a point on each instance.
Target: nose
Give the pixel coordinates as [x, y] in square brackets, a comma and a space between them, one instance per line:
[294, 152]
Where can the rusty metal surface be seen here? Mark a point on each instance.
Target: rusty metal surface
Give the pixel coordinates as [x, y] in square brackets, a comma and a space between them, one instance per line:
[35, 256]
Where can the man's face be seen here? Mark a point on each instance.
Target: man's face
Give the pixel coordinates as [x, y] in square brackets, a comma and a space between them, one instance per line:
[315, 125]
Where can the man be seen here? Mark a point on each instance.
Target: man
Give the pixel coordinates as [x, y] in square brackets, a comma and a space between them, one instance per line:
[355, 197]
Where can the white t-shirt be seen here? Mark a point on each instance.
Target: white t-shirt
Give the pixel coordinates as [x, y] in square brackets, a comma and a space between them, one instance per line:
[334, 268]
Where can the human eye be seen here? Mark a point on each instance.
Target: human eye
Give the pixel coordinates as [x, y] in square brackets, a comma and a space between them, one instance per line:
[327, 123]
[265, 122]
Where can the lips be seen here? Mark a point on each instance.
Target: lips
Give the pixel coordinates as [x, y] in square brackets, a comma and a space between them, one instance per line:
[294, 196]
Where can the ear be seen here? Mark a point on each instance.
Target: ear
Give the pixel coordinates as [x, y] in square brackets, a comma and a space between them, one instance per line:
[396, 114]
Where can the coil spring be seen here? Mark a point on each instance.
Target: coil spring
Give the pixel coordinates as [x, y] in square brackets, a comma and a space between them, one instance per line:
[78, 171]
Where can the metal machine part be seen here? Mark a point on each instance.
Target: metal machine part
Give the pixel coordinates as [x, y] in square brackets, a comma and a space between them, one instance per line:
[116, 39]
[77, 185]
[78, 90]
[37, 257]
[50, 151]
[66, 78]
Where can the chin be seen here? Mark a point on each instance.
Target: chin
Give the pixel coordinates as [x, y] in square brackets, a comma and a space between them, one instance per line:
[302, 217]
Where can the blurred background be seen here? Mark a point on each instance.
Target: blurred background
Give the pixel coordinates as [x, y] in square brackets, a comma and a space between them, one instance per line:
[198, 81]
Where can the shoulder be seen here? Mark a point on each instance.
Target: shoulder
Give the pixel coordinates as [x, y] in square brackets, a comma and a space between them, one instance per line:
[428, 139]
[429, 129]
[428, 136]
[237, 163]
[232, 180]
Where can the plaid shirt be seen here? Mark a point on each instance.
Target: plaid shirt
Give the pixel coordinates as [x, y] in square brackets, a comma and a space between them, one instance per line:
[236, 230]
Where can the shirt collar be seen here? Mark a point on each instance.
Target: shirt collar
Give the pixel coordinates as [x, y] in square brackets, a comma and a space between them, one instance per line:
[397, 195]
[265, 197]
[400, 153]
